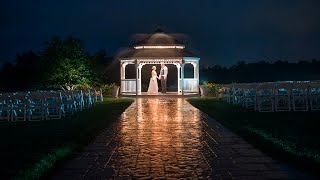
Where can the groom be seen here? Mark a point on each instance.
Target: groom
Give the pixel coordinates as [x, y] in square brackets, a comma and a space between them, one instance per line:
[163, 78]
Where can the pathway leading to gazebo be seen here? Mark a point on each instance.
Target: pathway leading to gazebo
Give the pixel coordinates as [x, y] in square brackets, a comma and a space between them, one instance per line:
[167, 138]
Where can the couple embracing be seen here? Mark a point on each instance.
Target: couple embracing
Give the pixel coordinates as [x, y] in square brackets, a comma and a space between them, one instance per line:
[153, 84]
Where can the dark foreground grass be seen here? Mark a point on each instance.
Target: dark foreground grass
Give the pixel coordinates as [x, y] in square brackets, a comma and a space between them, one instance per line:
[31, 150]
[293, 137]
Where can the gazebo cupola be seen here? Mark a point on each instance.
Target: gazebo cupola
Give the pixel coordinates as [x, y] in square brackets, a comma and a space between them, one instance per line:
[158, 48]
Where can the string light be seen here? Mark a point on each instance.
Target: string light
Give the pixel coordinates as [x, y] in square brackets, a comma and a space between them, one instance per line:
[159, 47]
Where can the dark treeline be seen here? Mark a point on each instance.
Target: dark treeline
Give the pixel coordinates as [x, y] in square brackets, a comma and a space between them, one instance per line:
[27, 72]
[262, 72]
[20, 75]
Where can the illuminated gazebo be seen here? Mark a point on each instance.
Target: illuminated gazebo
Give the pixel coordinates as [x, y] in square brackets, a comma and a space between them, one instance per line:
[159, 48]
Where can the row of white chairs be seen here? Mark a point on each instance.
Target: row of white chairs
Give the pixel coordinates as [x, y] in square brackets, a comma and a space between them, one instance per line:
[273, 96]
[45, 105]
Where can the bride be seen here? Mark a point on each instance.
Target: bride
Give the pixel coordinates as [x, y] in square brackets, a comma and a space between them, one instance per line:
[153, 84]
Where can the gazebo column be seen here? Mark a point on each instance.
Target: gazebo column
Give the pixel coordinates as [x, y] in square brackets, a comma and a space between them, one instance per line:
[182, 78]
[179, 78]
[139, 78]
[137, 74]
[196, 70]
[123, 75]
[196, 75]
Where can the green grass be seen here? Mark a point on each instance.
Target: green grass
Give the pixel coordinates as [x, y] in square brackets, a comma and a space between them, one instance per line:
[293, 137]
[31, 150]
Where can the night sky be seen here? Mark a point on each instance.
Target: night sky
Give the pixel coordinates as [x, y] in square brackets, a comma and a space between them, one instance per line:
[218, 31]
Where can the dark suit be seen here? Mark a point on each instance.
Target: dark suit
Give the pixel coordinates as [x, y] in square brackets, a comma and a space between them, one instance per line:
[163, 79]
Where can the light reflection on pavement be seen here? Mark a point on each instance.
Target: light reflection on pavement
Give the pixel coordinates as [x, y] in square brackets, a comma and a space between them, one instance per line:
[166, 137]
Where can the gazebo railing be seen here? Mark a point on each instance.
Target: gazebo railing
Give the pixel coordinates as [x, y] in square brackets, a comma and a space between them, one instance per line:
[190, 85]
[128, 85]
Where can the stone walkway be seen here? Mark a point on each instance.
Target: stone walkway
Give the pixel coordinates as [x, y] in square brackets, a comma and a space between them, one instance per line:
[167, 138]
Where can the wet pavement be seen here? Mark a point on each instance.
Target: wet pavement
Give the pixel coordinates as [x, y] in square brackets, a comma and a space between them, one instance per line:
[167, 138]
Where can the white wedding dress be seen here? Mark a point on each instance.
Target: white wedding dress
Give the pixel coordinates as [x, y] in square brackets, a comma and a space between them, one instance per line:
[153, 84]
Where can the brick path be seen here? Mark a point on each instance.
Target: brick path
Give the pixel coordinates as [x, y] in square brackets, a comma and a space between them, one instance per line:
[167, 138]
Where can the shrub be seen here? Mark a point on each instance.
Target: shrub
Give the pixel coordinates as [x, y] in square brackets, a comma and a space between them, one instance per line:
[213, 88]
[83, 86]
[107, 88]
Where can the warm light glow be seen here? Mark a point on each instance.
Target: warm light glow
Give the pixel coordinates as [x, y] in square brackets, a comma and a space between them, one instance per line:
[159, 47]
[132, 61]
[160, 126]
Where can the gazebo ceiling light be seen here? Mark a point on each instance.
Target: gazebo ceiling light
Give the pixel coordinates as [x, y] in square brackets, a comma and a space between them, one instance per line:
[159, 47]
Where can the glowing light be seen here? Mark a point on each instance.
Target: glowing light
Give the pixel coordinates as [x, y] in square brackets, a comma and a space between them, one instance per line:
[159, 47]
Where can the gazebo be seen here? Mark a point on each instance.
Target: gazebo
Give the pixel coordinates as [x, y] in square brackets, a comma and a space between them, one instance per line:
[159, 48]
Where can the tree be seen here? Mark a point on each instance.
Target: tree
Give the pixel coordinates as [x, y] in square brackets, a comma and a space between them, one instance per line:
[66, 65]
[6, 74]
[26, 69]
[101, 63]
[112, 72]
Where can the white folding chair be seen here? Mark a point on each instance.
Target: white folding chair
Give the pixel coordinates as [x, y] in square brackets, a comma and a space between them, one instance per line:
[226, 93]
[35, 106]
[282, 96]
[249, 95]
[99, 95]
[78, 98]
[237, 94]
[53, 105]
[314, 96]
[19, 106]
[68, 102]
[87, 98]
[299, 95]
[93, 95]
[265, 97]
[5, 106]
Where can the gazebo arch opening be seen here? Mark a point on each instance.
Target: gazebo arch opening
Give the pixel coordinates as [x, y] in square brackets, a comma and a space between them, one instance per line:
[130, 71]
[188, 71]
[172, 81]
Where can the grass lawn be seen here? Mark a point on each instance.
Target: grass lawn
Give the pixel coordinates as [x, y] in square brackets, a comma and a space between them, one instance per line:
[293, 137]
[30, 150]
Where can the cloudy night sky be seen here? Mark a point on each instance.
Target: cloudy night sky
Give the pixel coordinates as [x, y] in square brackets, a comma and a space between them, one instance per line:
[219, 32]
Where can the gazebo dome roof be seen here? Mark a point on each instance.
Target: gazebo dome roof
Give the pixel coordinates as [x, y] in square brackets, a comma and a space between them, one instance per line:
[159, 39]
[156, 45]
